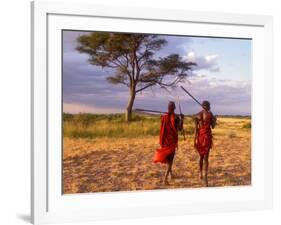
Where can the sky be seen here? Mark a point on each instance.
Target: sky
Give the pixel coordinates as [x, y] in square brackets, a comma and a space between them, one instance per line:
[222, 76]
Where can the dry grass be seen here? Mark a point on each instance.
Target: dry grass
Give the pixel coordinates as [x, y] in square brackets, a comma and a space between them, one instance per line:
[107, 164]
[95, 126]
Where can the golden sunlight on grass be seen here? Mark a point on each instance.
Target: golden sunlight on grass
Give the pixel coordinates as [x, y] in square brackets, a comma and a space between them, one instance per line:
[103, 164]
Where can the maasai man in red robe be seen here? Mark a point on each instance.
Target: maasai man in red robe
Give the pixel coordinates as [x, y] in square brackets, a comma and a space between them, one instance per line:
[205, 121]
[170, 125]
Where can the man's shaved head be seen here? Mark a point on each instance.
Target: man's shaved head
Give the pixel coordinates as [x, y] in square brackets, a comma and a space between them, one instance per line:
[171, 107]
[206, 105]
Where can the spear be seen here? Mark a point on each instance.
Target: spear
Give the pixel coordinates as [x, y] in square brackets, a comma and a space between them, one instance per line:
[183, 131]
[192, 97]
[149, 111]
[214, 118]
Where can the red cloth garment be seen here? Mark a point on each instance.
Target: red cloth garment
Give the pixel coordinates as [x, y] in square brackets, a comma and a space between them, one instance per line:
[168, 139]
[204, 136]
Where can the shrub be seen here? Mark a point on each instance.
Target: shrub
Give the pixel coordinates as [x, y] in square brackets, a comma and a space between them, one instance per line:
[247, 125]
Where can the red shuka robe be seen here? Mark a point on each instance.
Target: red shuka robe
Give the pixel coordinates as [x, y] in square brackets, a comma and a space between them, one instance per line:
[168, 139]
[204, 136]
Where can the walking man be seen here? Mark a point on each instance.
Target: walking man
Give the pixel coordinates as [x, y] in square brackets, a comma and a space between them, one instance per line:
[205, 121]
[170, 125]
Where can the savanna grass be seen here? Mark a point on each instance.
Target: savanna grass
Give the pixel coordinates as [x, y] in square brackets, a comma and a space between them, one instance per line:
[113, 125]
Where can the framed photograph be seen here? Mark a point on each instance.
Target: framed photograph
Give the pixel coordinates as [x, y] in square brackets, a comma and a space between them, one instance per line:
[140, 112]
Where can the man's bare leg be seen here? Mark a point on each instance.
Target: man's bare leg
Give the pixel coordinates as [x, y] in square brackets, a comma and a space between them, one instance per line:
[172, 175]
[201, 167]
[167, 173]
[206, 162]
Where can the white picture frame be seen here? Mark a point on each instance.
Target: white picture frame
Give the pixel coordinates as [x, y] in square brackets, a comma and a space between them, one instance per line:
[47, 202]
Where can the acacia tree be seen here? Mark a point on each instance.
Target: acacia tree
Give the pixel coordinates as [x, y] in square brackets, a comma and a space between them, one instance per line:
[134, 61]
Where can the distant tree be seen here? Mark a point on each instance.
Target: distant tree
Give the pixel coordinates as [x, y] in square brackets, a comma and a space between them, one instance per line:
[134, 60]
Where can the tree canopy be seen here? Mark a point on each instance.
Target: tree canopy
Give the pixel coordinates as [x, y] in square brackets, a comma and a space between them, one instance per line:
[134, 61]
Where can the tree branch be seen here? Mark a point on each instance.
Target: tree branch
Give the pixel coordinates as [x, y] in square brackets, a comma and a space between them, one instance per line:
[145, 87]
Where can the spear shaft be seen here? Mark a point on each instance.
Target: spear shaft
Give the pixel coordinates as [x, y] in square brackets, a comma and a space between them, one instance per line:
[192, 96]
[149, 110]
[182, 131]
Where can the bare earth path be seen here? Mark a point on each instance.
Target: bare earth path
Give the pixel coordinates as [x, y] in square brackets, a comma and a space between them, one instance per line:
[120, 164]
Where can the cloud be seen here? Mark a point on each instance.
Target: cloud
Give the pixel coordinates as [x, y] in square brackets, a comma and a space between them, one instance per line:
[226, 96]
[84, 108]
[85, 88]
[208, 62]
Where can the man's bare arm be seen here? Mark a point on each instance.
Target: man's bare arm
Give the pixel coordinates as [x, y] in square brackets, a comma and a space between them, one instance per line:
[214, 121]
[179, 122]
[196, 123]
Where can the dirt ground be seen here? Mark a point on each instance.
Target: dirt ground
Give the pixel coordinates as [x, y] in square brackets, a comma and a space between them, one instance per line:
[122, 164]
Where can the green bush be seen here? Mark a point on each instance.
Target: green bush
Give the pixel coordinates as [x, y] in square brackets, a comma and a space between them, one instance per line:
[247, 125]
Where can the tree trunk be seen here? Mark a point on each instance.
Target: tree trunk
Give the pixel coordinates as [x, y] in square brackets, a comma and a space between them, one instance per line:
[128, 112]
